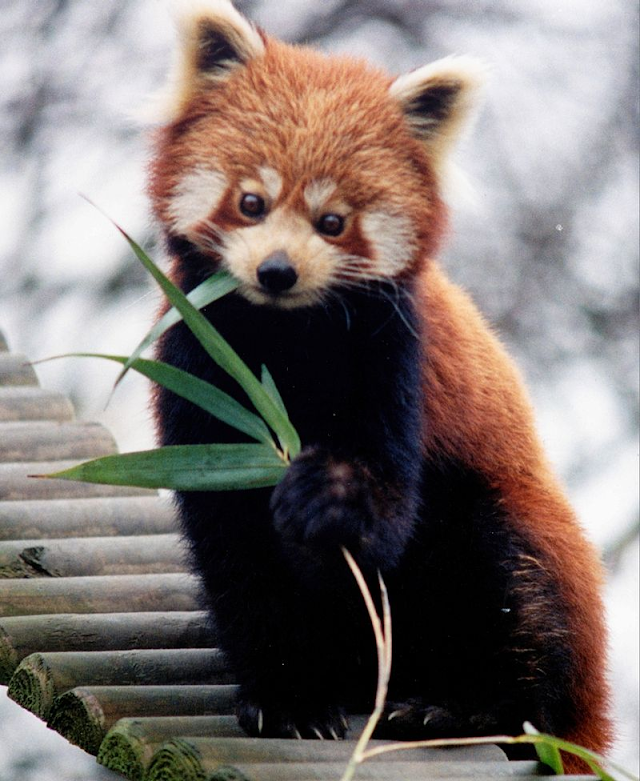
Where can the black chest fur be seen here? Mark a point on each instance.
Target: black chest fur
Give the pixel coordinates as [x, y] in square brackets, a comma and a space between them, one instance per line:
[336, 367]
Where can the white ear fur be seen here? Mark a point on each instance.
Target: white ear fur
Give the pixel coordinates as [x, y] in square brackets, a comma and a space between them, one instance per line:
[438, 100]
[213, 40]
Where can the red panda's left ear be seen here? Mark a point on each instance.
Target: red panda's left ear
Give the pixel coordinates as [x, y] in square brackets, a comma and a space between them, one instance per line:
[437, 100]
[214, 40]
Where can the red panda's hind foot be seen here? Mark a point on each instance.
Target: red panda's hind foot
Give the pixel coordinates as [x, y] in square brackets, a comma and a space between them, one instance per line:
[279, 721]
[416, 719]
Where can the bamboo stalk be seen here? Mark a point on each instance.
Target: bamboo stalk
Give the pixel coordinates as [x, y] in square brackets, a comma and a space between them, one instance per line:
[382, 633]
[84, 715]
[377, 771]
[15, 483]
[98, 594]
[131, 743]
[42, 676]
[33, 403]
[95, 517]
[92, 556]
[24, 635]
[246, 759]
[49, 440]
[180, 760]
[209, 754]
[15, 369]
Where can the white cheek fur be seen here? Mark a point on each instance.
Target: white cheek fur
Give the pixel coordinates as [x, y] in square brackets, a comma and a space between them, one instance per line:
[195, 197]
[393, 239]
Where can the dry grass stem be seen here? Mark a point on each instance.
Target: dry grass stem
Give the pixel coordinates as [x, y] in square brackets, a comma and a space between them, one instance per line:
[382, 632]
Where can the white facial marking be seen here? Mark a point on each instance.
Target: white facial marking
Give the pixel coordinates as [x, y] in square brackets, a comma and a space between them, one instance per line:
[195, 197]
[272, 181]
[318, 192]
[393, 239]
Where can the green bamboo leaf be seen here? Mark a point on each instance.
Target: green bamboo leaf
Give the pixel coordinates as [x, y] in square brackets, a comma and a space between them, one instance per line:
[184, 468]
[223, 354]
[597, 763]
[269, 385]
[546, 750]
[213, 288]
[550, 756]
[201, 393]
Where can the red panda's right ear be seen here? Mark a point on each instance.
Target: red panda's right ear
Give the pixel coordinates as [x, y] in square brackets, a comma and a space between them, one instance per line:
[438, 100]
[214, 39]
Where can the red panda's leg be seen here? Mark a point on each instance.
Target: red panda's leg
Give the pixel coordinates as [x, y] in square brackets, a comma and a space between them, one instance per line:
[281, 640]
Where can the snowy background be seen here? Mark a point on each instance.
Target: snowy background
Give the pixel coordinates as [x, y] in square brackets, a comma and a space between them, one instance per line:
[548, 247]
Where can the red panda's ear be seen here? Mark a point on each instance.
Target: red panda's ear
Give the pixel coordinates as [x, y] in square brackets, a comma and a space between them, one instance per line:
[438, 99]
[214, 39]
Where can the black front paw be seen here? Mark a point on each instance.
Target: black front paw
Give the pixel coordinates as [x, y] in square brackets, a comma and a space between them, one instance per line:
[279, 721]
[324, 503]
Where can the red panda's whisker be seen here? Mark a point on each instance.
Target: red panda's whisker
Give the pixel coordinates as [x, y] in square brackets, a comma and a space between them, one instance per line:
[356, 279]
[358, 283]
[335, 295]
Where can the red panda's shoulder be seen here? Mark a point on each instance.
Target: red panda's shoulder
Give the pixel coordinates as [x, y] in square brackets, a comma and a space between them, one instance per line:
[476, 402]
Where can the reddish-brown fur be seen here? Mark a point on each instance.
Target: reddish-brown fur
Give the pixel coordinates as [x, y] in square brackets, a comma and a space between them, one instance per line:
[478, 412]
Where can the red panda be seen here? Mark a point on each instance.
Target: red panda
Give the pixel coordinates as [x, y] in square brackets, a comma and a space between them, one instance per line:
[316, 182]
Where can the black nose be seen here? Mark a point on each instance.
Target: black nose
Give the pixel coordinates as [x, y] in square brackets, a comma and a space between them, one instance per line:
[276, 273]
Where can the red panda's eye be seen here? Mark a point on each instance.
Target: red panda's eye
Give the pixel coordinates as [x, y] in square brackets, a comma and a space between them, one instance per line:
[252, 205]
[330, 224]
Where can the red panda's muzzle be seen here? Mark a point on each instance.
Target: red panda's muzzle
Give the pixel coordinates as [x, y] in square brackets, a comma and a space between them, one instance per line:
[276, 273]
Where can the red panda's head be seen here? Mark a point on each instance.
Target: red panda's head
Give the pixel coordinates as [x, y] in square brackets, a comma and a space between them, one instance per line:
[302, 173]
